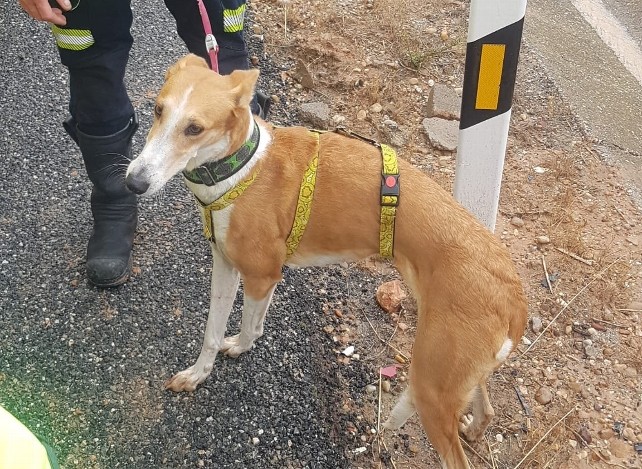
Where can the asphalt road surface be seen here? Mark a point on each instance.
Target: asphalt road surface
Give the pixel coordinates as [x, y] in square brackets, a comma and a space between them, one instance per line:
[601, 90]
[83, 367]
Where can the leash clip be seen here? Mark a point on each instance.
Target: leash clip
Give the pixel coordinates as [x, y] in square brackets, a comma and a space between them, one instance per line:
[210, 43]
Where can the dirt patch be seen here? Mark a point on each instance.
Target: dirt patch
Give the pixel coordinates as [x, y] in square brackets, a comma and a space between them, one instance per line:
[570, 396]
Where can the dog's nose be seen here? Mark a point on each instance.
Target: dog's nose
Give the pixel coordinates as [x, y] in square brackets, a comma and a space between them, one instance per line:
[136, 184]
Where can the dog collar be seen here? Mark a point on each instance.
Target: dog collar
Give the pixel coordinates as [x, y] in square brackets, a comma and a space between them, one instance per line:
[216, 171]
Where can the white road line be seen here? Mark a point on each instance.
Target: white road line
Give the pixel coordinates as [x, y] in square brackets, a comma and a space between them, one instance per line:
[613, 34]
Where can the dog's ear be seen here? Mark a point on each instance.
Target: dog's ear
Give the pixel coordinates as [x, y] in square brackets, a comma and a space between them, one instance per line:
[243, 83]
[190, 60]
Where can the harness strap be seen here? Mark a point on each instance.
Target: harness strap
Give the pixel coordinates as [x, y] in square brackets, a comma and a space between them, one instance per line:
[389, 200]
[304, 203]
[222, 202]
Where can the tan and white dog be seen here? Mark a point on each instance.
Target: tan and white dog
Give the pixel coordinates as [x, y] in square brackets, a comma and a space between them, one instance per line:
[471, 305]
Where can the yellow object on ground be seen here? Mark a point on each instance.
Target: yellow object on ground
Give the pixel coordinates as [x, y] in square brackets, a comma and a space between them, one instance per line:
[19, 448]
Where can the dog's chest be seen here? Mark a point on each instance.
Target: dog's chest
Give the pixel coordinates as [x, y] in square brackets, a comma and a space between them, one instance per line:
[220, 226]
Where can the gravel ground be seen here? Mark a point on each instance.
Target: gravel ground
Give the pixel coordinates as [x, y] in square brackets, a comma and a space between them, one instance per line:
[84, 367]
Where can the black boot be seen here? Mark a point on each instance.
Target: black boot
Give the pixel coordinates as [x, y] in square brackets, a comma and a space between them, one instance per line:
[114, 207]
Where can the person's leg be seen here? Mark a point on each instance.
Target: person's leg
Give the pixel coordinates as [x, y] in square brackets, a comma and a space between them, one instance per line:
[227, 20]
[94, 46]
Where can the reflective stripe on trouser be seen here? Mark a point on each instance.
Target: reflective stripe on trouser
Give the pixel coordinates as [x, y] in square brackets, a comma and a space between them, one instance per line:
[94, 45]
[233, 51]
[72, 39]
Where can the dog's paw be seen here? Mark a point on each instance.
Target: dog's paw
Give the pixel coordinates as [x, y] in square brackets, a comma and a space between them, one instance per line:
[186, 380]
[232, 348]
[469, 429]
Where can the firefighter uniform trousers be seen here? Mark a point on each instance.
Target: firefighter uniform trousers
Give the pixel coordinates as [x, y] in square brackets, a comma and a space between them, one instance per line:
[95, 43]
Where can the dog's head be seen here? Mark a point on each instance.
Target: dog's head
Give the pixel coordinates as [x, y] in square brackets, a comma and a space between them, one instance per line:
[199, 116]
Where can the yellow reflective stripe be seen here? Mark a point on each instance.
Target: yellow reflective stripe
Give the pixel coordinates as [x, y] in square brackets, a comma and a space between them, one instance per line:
[222, 202]
[304, 204]
[233, 19]
[388, 212]
[490, 76]
[72, 39]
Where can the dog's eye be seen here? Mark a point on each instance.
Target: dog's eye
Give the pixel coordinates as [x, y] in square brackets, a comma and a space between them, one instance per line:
[158, 110]
[193, 129]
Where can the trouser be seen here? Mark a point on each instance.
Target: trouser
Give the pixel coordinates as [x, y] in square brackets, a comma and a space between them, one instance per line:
[95, 43]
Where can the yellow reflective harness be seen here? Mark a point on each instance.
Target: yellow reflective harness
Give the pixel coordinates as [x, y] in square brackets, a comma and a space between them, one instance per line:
[389, 199]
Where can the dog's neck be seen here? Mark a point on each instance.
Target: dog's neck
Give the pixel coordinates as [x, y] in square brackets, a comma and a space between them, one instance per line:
[207, 194]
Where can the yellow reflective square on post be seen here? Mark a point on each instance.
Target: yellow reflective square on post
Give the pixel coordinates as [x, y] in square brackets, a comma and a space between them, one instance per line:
[490, 76]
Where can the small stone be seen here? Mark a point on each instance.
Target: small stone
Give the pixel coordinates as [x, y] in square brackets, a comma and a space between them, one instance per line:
[633, 240]
[413, 449]
[526, 340]
[591, 351]
[542, 240]
[608, 315]
[338, 119]
[254, 60]
[328, 329]
[338, 313]
[371, 389]
[591, 331]
[402, 326]
[414, 81]
[444, 35]
[385, 385]
[431, 30]
[585, 435]
[363, 438]
[255, 440]
[630, 372]
[606, 433]
[499, 438]
[628, 434]
[390, 296]
[348, 351]
[536, 325]
[572, 443]
[443, 134]
[544, 395]
[316, 114]
[376, 108]
[361, 115]
[431, 82]
[517, 221]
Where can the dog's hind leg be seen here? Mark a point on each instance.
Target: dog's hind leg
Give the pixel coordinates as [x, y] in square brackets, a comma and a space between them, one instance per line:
[251, 325]
[258, 291]
[473, 429]
[403, 410]
[225, 282]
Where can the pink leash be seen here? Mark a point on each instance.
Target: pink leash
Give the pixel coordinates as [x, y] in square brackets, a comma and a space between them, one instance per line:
[210, 41]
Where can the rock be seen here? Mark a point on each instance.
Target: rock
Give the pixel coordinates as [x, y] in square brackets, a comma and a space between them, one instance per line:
[302, 75]
[591, 351]
[329, 329]
[371, 389]
[444, 35]
[376, 108]
[606, 433]
[361, 115]
[536, 325]
[633, 240]
[499, 438]
[526, 340]
[402, 326]
[630, 372]
[390, 295]
[316, 114]
[414, 81]
[516, 221]
[544, 395]
[255, 440]
[608, 315]
[275, 99]
[413, 449]
[585, 435]
[542, 240]
[442, 134]
[620, 449]
[348, 351]
[338, 119]
[443, 102]
[254, 60]
[385, 385]
[628, 434]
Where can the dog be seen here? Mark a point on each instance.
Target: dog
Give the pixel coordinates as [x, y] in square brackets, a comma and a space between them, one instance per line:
[472, 309]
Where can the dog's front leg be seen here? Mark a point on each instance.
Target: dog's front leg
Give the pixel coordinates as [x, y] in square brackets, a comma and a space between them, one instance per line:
[225, 282]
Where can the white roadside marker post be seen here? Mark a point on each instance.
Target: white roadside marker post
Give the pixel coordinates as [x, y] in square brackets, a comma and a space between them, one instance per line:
[494, 39]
